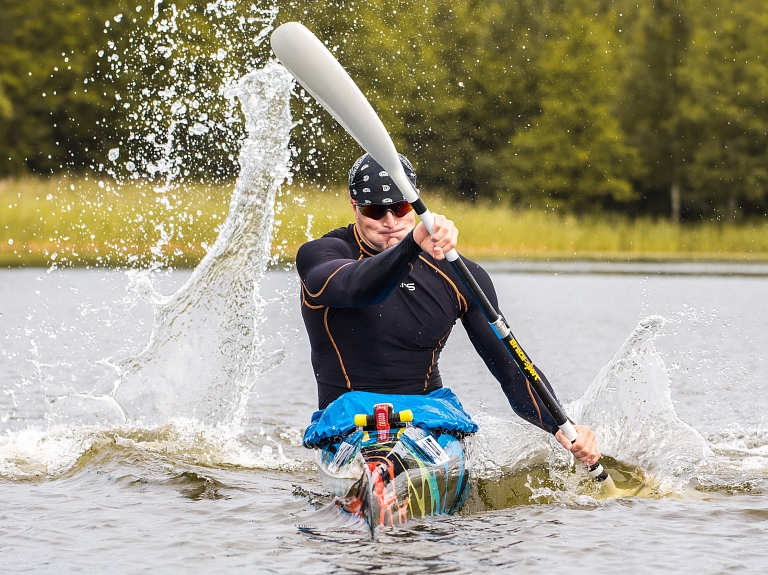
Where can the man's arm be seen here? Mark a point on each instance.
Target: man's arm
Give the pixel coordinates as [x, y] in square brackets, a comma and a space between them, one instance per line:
[332, 278]
[521, 396]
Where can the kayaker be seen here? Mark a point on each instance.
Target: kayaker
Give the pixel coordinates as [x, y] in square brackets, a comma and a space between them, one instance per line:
[379, 301]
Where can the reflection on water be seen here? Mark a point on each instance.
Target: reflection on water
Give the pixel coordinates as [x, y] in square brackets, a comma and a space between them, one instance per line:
[537, 485]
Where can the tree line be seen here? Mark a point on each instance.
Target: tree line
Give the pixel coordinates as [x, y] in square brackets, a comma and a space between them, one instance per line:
[585, 106]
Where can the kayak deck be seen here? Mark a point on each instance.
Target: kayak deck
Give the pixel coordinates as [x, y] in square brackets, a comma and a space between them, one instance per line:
[389, 477]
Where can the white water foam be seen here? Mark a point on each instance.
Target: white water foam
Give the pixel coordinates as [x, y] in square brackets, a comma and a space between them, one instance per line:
[204, 355]
[629, 405]
[50, 453]
[741, 451]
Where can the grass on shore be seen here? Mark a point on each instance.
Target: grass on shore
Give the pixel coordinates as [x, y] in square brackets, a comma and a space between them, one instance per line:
[82, 221]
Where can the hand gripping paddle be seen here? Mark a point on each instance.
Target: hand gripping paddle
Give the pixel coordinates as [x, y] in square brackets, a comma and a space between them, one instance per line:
[321, 75]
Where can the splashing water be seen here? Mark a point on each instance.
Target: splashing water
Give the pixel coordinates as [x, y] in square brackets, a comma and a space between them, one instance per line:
[175, 69]
[203, 357]
[176, 106]
[185, 394]
[628, 405]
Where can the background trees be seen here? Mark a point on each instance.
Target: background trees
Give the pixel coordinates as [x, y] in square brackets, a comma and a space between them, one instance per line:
[52, 113]
[722, 109]
[572, 153]
[648, 106]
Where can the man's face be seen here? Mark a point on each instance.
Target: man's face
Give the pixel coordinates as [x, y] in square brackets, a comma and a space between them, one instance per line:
[386, 232]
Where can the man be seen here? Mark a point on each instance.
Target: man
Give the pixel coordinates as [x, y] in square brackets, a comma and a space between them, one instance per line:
[379, 301]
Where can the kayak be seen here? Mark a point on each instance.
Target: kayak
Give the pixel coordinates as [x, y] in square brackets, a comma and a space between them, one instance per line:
[388, 459]
[408, 473]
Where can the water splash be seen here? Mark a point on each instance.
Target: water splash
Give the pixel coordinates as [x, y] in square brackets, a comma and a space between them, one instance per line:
[629, 406]
[186, 56]
[173, 70]
[203, 356]
[205, 352]
[742, 456]
[62, 449]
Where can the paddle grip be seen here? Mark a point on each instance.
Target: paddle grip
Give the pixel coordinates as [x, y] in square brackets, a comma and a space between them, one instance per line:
[428, 220]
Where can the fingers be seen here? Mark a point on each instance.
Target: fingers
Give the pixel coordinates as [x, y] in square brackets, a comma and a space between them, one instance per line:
[444, 237]
[584, 448]
[564, 441]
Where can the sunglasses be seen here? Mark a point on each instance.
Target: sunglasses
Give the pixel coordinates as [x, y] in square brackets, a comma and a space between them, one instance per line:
[376, 211]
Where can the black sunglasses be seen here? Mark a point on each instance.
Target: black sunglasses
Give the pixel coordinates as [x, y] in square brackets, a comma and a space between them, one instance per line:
[378, 211]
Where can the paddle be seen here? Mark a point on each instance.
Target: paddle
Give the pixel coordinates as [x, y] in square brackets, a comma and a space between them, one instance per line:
[315, 68]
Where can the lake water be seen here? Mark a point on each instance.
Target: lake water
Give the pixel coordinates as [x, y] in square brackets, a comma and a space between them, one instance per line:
[681, 407]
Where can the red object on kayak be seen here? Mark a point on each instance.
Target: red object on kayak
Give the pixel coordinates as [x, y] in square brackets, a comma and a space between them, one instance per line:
[381, 413]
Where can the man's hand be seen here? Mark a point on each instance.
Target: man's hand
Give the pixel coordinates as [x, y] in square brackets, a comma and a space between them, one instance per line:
[443, 240]
[584, 448]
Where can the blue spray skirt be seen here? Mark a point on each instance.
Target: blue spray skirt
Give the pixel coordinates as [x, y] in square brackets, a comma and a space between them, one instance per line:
[417, 471]
[440, 412]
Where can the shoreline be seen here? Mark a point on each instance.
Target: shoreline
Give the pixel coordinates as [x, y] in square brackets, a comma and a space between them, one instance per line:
[507, 260]
[82, 222]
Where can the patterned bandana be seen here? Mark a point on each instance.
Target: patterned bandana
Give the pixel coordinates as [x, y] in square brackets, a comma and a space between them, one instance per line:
[369, 183]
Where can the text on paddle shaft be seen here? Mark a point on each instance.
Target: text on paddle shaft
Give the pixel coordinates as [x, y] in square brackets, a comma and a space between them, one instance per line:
[527, 365]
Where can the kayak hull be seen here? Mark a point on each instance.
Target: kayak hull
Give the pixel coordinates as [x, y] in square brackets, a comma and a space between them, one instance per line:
[388, 478]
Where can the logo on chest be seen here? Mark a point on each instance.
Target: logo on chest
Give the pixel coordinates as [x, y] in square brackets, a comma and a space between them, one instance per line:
[408, 286]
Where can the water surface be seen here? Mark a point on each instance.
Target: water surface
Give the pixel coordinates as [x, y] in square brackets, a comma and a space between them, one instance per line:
[84, 495]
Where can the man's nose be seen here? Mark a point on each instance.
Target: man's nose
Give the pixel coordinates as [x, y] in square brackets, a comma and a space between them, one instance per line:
[389, 218]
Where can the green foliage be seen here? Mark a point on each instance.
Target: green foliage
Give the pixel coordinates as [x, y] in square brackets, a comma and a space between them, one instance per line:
[725, 81]
[657, 35]
[574, 154]
[82, 221]
[639, 106]
[176, 61]
[56, 108]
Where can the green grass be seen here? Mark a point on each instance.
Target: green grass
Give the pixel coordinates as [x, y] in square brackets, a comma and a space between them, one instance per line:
[493, 230]
[82, 221]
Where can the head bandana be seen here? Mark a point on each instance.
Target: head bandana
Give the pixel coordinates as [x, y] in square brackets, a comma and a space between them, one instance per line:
[369, 183]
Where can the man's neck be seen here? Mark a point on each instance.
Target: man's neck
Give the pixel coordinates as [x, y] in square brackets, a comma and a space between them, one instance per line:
[365, 247]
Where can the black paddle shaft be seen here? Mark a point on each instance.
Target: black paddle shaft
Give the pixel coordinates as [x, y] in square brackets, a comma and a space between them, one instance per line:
[499, 325]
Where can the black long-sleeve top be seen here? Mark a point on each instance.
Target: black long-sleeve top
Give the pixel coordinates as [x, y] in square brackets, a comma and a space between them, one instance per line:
[378, 321]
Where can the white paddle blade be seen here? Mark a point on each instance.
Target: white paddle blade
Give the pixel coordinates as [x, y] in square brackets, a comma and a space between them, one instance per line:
[315, 68]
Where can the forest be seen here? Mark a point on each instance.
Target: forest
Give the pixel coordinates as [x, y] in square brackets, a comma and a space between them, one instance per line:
[643, 108]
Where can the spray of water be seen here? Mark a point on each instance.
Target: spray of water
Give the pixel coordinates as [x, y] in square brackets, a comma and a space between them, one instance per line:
[186, 391]
[629, 406]
[203, 356]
